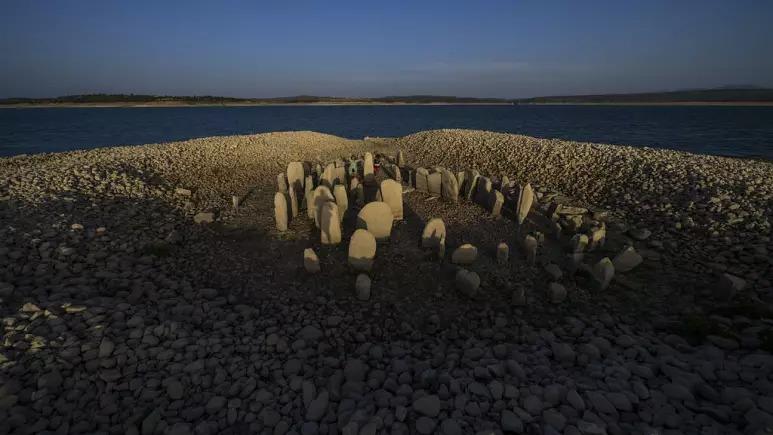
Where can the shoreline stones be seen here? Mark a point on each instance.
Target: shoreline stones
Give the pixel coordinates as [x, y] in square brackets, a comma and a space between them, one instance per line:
[376, 217]
[465, 254]
[362, 250]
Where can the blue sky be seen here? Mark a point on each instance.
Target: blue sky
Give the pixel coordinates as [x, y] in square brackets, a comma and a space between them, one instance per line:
[515, 48]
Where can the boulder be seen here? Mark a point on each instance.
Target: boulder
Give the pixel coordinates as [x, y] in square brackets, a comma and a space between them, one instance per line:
[281, 211]
[483, 195]
[449, 186]
[467, 282]
[579, 243]
[392, 195]
[362, 250]
[310, 261]
[470, 183]
[627, 260]
[376, 217]
[367, 167]
[503, 253]
[465, 254]
[525, 200]
[362, 287]
[330, 224]
[342, 200]
[308, 190]
[597, 237]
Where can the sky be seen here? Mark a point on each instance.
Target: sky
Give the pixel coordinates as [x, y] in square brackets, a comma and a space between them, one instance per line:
[359, 48]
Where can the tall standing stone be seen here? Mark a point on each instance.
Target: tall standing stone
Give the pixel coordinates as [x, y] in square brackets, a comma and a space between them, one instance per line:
[235, 200]
[435, 183]
[320, 196]
[293, 198]
[342, 200]
[460, 182]
[598, 236]
[422, 182]
[392, 194]
[328, 176]
[450, 186]
[400, 158]
[295, 175]
[280, 211]
[505, 185]
[483, 193]
[499, 201]
[281, 183]
[434, 235]
[308, 190]
[470, 182]
[367, 167]
[376, 217]
[579, 243]
[362, 250]
[503, 253]
[330, 225]
[525, 200]
[530, 249]
[603, 272]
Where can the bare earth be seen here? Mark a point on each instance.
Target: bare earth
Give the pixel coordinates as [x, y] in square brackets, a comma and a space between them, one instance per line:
[122, 315]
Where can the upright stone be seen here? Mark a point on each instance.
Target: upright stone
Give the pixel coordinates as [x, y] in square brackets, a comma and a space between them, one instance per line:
[505, 185]
[579, 243]
[503, 253]
[530, 249]
[483, 193]
[330, 225]
[465, 254]
[400, 158]
[320, 196]
[460, 181]
[235, 200]
[598, 236]
[328, 176]
[357, 191]
[470, 182]
[281, 183]
[308, 190]
[450, 186]
[367, 167]
[434, 236]
[525, 200]
[280, 211]
[376, 217]
[293, 198]
[435, 183]
[422, 182]
[499, 201]
[342, 200]
[392, 194]
[362, 250]
[296, 175]
[310, 261]
[603, 272]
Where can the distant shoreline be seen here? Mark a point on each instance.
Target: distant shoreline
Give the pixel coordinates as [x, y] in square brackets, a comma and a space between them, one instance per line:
[367, 103]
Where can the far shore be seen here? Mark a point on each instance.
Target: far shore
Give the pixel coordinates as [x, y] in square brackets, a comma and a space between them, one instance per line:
[366, 103]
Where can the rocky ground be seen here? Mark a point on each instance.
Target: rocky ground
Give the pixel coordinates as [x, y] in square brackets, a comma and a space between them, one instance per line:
[121, 314]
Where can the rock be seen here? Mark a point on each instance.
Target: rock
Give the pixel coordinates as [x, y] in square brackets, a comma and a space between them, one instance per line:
[579, 243]
[362, 286]
[518, 297]
[425, 425]
[503, 253]
[434, 235]
[320, 196]
[449, 186]
[329, 176]
[427, 405]
[563, 352]
[235, 201]
[400, 158]
[483, 193]
[362, 250]
[471, 178]
[640, 233]
[292, 200]
[392, 195]
[525, 201]
[627, 260]
[367, 167]
[318, 407]
[204, 218]
[603, 272]
[376, 217]
[728, 286]
[215, 404]
[553, 271]
[182, 192]
[296, 176]
[497, 203]
[174, 389]
[597, 237]
[310, 261]
[530, 249]
[281, 215]
[341, 199]
[435, 183]
[281, 183]
[421, 180]
[465, 254]
[467, 282]
[105, 348]
[556, 293]
[308, 193]
[330, 225]
[511, 423]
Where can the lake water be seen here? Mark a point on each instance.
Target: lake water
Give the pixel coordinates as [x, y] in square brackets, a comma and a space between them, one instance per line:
[737, 131]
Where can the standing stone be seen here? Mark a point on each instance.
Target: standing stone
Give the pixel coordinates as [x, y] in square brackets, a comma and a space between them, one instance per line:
[357, 191]
[392, 194]
[597, 237]
[470, 182]
[376, 217]
[434, 183]
[400, 158]
[467, 282]
[295, 175]
[362, 250]
[342, 200]
[398, 173]
[434, 232]
[310, 261]
[367, 167]
[339, 173]
[281, 183]
[530, 249]
[320, 196]
[362, 286]
[450, 186]
[603, 272]
[308, 189]
[505, 185]
[280, 211]
[330, 225]
[293, 199]
[235, 200]
[483, 193]
[503, 253]
[422, 180]
[579, 243]
[465, 254]
[499, 201]
[525, 200]
[460, 181]
[328, 176]
[627, 260]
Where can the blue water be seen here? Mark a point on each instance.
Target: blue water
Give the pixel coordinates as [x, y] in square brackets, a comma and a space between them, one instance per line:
[736, 131]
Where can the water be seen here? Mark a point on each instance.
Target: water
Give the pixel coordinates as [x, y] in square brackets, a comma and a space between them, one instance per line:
[737, 131]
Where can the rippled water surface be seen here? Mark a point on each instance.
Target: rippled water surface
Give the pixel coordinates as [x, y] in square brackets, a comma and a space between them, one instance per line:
[725, 130]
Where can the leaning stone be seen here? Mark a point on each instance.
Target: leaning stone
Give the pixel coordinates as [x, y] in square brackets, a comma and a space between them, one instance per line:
[556, 292]
[504, 186]
[342, 200]
[280, 211]
[525, 200]
[422, 182]
[295, 175]
[362, 286]
[376, 217]
[362, 250]
[392, 195]
[627, 260]
[530, 249]
[467, 282]
[728, 286]
[470, 182]
[603, 272]
[503, 253]
[499, 201]
[435, 183]
[320, 196]
[281, 183]
[310, 261]
[579, 243]
[460, 181]
[449, 186]
[330, 224]
[204, 218]
[465, 254]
